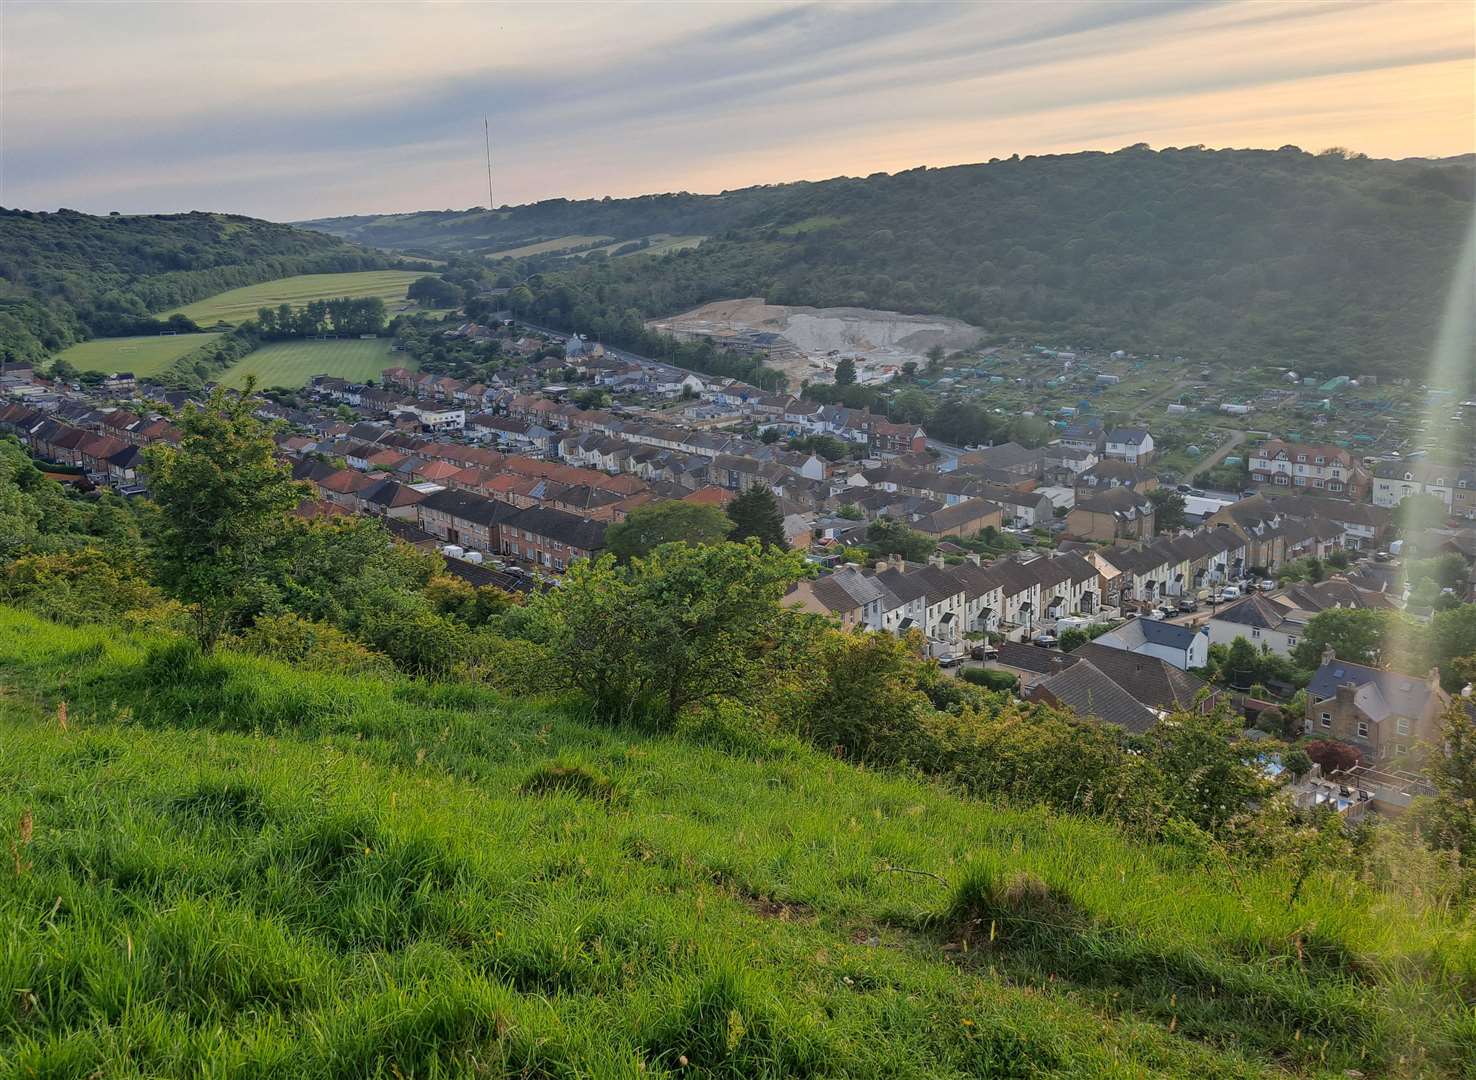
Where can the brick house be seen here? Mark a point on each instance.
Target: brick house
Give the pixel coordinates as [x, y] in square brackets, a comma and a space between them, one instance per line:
[1323, 470]
[1383, 713]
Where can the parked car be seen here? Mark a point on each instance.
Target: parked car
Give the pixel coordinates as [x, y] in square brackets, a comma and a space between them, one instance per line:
[1230, 592]
[1383, 556]
[1183, 489]
[948, 660]
[984, 652]
[1188, 603]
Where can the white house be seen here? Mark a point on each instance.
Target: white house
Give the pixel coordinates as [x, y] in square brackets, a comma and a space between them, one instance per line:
[1182, 646]
[1132, 445]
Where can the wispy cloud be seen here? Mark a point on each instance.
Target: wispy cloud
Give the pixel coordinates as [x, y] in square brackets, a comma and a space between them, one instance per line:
[292, 111]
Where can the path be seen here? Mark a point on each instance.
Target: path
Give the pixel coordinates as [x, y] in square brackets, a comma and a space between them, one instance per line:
[1204, 464]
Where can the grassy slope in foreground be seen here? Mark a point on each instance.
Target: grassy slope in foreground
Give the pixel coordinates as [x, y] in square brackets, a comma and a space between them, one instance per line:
[144, 356]
[292, 363]
[237, 305]
[292, 874]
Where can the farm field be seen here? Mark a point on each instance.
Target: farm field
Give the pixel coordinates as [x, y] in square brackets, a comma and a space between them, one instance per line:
[292, 363]
[662, 245]
[559, 243]
[144, 356]
[238, 305]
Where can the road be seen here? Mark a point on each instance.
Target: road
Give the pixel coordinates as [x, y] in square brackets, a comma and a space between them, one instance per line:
[1204, 464]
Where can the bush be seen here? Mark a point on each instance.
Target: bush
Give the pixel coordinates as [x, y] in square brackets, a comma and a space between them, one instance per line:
[1333, 756]
[77, 587]
[417, 640]
[991, 679]
[512, 665]
[311, 645]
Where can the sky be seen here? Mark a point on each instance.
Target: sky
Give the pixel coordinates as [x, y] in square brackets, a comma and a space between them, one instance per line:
[291, 111]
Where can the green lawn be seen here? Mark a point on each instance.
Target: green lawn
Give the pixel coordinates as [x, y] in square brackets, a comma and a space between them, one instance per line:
[237, 305]
[292, 363]
[144, 356]
[224, 866]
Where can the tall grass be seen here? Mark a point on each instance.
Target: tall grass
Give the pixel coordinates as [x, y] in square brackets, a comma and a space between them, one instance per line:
[234, 868]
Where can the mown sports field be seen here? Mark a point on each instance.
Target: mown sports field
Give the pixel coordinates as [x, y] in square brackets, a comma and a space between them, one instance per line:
[237, 305]
[292, 363]
[144, 356]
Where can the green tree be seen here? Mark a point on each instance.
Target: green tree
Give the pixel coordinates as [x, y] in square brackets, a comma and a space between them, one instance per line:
[223, 502]
[648, 527]
[1168, 509]
[935, 358]
[887, 537]
[683, 625]
[1448, 821]
[1452, 636]
[433, 291]
[1358, 635]
[1421, 512]
[1209, 774]
[756, 513]
[845, 372]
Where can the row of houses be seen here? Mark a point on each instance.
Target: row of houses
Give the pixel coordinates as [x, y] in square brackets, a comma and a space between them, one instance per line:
[105, 444]
[947, 603]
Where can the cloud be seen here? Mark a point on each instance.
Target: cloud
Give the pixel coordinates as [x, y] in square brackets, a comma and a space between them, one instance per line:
[316, 109]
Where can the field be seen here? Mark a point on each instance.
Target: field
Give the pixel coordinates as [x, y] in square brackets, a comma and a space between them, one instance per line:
[662, 244]
[561, 243]
[275, 872]
[144, 356]
[237, 305]
[292, 363]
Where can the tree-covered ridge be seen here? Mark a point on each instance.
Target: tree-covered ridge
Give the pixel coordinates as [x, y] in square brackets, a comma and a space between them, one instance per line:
[67, 276]
[1328, 261]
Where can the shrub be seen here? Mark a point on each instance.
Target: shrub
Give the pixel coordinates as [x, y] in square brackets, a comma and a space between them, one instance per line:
[1333, 756]
[991, 679]
[78, 586]
[418, 640]
[311, 645]
[512, 665]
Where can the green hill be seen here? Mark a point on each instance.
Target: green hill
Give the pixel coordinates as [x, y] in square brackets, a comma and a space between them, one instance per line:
[66, 276]
[285, 873]
[1332, 262]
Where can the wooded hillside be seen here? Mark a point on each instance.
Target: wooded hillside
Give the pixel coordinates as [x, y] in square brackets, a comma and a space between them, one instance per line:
[1329, 261]
[68, 276]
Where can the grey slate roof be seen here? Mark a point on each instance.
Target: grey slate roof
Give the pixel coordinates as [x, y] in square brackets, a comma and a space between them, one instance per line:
[1404, 695]
[1087, 691]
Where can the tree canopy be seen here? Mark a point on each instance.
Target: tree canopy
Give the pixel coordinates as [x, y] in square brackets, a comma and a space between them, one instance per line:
[756, 513]
[675, 521]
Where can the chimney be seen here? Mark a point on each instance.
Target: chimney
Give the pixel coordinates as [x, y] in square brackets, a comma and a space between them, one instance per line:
[936, 560]
[882, 565]
[1329, 654]
[975, 558]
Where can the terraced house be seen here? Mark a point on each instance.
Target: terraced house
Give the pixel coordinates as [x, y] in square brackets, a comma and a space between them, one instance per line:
[1326, 470]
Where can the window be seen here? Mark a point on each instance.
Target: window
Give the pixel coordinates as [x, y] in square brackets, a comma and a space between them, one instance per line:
[1291, 642]
[1327, 719]
[1399, 748]
[1401, 725]
[1255, 631]
[1363, 729]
